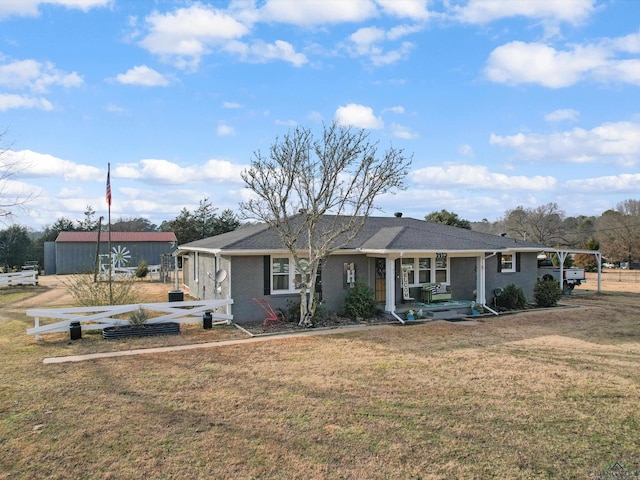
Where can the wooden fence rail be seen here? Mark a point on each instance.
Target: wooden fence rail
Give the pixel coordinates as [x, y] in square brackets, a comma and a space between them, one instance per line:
[29, 277]
[97, 318]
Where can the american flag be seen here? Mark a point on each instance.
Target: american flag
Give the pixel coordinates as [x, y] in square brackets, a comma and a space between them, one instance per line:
[109, 184]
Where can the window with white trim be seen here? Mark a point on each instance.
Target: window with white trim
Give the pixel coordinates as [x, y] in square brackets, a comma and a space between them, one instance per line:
[427, 268]
[424, 270]
[280, 280]
[442, 268]
[507, 262]
[285, 277]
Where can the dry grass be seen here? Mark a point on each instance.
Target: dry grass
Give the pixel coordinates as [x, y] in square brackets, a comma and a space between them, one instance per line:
[543, 394]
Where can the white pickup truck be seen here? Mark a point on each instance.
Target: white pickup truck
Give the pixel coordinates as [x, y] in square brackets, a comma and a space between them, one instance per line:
[570, 276]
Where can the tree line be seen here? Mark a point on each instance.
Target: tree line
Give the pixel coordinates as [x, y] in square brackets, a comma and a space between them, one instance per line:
[615, 233]
[18, 244]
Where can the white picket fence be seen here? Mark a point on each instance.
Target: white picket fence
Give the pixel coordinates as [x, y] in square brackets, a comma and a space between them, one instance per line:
[29, 277]
[97, 318]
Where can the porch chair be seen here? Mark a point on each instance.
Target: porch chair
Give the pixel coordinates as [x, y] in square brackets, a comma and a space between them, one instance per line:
[435, 292]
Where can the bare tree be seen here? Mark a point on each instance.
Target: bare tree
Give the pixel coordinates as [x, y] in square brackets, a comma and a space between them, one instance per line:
[317, 194]
[541, 225]
[619, 232]
[9, 200]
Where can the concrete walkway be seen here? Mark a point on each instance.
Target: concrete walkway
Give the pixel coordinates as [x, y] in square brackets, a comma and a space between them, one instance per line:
[224, 343]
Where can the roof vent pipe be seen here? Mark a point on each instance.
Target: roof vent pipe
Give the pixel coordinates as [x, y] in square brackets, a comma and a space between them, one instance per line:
[397, 214]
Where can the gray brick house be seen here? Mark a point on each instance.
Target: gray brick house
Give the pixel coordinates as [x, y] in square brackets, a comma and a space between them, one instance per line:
[395, 256]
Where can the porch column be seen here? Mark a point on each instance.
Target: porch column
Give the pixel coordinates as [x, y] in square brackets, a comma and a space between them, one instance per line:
[390, 285]
[481, 286]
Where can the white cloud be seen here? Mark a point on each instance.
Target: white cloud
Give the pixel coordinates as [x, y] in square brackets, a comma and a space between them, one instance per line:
[519, 62]
[628, 44]
[401, 131]
[31, 7]
[479, 177]
[619, 141]
[113, 108]
[261, 52]
[396, 109]
[549, 12]
[315, 117]
[222, 170]
[358, 116]
[606, 61]
[231, 105]
[126, 170]
[366, 42]
[171, 173]
[9, 101]
[186, 34]
[626, 182]
[163, 171]
[224, 130]
[466, 151]
[36, 76]
[562, 115]
[414, 9]
[287, 123]
[621, 71]
[316, 12]
[34, 164]
[142, 75]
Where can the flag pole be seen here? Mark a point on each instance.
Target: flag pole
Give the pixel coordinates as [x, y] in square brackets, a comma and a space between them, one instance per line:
[109, 233]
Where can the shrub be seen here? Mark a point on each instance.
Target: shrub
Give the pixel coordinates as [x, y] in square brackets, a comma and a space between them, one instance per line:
[142, 270]
[90, 294]
[291, 311]
[138, 317]
[360, 302]
[511, 298]
[547, 293]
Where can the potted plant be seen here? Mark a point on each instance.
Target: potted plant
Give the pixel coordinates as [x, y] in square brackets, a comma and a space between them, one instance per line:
[138, 327]
[411, 315]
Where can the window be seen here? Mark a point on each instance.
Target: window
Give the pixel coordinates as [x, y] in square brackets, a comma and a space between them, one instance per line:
[427, 268]
[285, 279]
[280, 274]
[441, 268]
[424, 270]
[298, 275]
[507, 262]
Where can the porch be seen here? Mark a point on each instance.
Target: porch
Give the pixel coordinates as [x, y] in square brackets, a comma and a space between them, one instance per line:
[442, 310]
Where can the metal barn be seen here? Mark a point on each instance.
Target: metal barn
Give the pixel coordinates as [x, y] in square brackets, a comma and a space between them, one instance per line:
[76, 252]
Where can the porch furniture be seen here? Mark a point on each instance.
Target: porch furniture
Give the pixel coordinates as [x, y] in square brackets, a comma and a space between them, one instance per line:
[435, 292]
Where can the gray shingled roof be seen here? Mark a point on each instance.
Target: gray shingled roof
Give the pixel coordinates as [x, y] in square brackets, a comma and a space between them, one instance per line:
[378, 233]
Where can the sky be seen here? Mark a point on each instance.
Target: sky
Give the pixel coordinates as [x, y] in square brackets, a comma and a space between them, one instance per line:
[501, 103]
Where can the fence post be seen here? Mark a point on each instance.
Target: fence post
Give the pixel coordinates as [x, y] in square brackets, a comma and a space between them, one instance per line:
[36, 325]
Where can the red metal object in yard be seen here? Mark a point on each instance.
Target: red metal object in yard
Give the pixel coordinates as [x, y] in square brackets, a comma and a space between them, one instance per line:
[272, 317]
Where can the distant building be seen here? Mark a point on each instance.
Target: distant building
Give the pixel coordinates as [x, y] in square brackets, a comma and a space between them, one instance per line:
[76, 252]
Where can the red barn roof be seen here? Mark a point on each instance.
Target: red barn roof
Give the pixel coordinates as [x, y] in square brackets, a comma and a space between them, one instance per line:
[86, 237]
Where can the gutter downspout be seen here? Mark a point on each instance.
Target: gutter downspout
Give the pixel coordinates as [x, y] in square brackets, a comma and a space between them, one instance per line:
[397, 317]
[484, 290]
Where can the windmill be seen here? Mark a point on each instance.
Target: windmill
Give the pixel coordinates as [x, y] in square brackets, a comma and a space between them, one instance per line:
[120, 256]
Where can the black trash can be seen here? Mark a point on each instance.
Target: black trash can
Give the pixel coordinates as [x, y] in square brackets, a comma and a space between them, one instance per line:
[75, 331]
[176, 296]
[207, 320]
